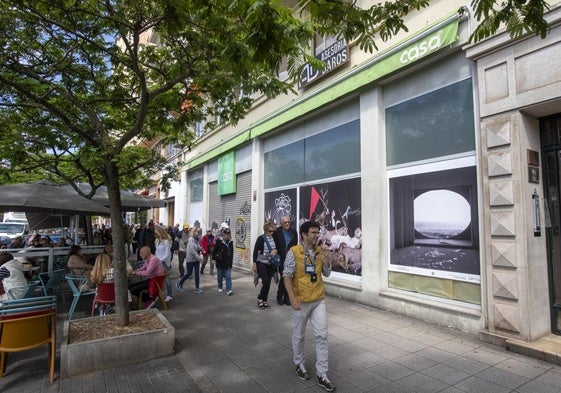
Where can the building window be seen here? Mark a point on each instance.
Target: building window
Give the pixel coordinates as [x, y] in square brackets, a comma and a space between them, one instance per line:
[436, 124]
[332, 153]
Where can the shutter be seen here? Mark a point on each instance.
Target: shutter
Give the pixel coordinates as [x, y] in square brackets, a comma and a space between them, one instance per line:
[235, 209]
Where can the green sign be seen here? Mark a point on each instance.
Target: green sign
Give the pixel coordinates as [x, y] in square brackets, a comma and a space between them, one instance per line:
[418, 49]
[227, 173]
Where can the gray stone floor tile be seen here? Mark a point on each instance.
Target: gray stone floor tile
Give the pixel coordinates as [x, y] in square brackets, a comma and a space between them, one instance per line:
[391, 388]
[452, 389]
[422, 383]
[466, 365]
[415, 362]
[536, 387]
[392, 370]
[479, 385]
[503, 378]
[488, 356]
[390, 352]
[446, 374]
[456, 346]
[523, 368]
[436, 354]
[362, 378]
[551, 378]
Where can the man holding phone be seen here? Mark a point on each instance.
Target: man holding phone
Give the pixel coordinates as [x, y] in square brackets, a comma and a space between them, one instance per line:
[303, 270]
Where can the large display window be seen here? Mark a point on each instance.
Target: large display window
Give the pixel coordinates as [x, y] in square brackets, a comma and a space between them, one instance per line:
[336, 207]
[432, 183]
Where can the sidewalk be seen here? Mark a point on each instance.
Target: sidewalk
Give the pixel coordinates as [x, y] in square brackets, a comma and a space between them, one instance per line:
[227, 344]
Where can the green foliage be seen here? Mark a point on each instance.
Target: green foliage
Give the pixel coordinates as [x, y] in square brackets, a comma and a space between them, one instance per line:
[519, 17]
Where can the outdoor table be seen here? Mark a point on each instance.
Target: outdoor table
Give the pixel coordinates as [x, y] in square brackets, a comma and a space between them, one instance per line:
[30, 271]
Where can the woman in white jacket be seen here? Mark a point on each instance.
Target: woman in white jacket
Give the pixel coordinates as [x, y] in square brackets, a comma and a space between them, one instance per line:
[11, 276]
[164, 254]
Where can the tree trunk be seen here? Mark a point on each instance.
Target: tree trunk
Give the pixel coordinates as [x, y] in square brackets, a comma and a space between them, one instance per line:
[121, 279]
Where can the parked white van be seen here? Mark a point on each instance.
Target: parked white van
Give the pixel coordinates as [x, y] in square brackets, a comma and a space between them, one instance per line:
[13, 229]
[15, 217]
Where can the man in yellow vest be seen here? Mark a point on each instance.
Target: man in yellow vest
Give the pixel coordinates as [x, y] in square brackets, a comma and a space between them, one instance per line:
[303, 269]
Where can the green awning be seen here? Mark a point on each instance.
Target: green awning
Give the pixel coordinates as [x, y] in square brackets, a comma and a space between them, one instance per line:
[423, 44]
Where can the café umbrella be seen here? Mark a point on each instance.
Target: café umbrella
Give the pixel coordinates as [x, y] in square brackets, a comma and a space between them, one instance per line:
[46, 197]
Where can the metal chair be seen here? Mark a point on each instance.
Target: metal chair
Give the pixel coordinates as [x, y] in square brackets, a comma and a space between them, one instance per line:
[51, 281]
[76, 284]
[23, 292]
[104, 297]
[27, 324]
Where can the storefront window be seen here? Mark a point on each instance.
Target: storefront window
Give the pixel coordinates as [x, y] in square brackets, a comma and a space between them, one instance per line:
[436, 124]
[332, 153]
[196, 190]
[285, 165]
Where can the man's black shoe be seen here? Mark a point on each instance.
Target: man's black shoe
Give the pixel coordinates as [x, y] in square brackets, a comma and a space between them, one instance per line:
[325, 383]
[302, 372]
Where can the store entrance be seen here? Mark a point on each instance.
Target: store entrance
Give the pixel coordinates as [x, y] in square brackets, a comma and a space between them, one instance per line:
[550, 132]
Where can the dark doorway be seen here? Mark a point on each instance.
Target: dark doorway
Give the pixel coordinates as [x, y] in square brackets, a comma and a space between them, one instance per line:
[550, 133]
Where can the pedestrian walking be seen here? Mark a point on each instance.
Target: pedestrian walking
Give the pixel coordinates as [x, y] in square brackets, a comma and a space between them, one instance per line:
[285, 237]
[193, 261]
[182, 239]
[207, 245]
[223, 254]
[303, 269]
[263, 250]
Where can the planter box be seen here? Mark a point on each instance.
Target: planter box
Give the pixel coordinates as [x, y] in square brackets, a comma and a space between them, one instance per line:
[88, 356]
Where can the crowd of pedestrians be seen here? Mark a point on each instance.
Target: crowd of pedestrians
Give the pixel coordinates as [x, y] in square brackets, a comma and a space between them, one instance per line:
[298, 275]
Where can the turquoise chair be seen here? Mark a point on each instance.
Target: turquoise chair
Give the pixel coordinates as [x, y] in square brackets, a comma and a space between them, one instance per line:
[51, 281]
[76, 283]
[23, 292]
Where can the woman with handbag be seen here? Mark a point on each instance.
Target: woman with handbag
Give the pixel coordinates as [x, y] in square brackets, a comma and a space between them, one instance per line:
[263, 252]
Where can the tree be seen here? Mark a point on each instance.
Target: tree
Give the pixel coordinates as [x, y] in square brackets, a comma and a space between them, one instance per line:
[72, 100]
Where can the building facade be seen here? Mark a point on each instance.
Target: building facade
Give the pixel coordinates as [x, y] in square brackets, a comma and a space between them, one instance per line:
[424, 165]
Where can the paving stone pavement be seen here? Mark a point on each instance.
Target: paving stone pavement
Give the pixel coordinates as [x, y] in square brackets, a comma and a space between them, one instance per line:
[227, 344]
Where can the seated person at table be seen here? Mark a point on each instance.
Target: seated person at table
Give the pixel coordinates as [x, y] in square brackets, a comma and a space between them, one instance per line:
[11, 275]
[151, 267]
[102, 270]
[78, 265]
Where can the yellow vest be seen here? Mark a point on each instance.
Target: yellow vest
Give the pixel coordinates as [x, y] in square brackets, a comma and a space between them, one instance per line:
[304, 289]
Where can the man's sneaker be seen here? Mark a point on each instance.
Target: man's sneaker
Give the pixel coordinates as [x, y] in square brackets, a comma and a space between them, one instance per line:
[229, 293]
[220, 290]
[168, 298]
[198, 290]
[179, 287]
[303, 374]
[325, 383]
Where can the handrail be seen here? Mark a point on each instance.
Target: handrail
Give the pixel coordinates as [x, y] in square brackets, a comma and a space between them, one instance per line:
[50, 252]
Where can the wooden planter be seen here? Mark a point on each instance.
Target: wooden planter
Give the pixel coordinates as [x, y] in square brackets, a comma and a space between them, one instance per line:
[105, 353]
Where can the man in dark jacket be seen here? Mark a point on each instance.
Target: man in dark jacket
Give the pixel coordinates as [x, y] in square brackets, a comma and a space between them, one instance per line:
[285, 237]
[223, 254]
